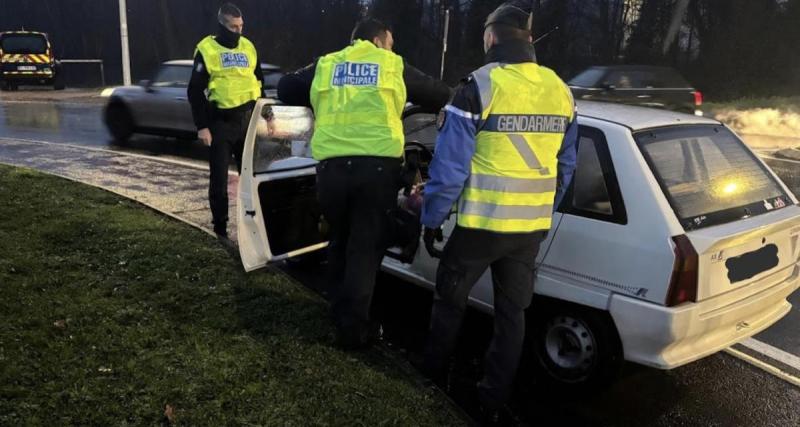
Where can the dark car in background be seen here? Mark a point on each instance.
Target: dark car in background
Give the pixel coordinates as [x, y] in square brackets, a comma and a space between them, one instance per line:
[26, 58]
[643, 85]
[160, 106]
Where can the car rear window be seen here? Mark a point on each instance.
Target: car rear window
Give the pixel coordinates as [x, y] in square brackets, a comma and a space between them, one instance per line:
[24, 43]
[709, 176]
[647, 78]
[587, 78]
[669, 78]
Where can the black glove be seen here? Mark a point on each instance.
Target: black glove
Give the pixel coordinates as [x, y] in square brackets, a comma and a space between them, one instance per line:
[409, 174]
[429, 236]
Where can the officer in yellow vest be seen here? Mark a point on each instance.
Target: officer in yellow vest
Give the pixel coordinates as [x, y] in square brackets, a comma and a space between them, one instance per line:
[226, 66]
[358, 95]
[504, 155]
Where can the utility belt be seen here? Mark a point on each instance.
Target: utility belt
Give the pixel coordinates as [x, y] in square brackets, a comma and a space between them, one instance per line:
[235, 114]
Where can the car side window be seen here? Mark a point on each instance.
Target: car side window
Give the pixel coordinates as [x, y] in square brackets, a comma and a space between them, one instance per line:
[173, 76]
[594, 191]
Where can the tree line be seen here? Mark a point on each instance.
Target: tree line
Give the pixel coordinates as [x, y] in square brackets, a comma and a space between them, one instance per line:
[727, 48]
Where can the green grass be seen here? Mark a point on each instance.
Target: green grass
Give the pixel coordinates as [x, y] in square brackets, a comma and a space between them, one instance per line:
[782, 103]
[109, 312]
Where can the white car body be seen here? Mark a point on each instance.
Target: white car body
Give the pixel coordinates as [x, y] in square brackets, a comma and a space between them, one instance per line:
[619, 268]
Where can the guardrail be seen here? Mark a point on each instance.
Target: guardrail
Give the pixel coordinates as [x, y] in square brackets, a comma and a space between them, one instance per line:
[88, 61]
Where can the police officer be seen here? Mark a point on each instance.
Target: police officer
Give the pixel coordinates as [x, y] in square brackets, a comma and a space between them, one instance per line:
[358, 95]
[227, 66]
[505, 150]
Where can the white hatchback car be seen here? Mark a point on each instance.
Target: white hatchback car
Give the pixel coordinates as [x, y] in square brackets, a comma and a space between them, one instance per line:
[674, 240]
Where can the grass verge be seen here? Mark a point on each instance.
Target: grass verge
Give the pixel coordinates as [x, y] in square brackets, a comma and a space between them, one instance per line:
[111, 314]
[786, 104]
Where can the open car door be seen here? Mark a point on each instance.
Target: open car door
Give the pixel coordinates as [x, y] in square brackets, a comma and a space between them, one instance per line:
[277, 211]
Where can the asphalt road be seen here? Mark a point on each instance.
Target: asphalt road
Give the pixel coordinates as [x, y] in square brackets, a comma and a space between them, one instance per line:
[719, 390]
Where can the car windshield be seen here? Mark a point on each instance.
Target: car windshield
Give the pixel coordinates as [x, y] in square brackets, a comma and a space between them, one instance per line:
[708, 174]
[588, 78]
[173, 76]
[24, 43]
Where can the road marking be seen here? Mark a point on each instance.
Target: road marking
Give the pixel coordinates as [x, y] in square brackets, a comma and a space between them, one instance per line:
[120, 153]
[778, 159]
[774, 353]
[791, 379]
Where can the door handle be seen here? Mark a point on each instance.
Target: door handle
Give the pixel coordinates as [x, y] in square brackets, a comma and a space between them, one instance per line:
[180, 98]
[644, 96]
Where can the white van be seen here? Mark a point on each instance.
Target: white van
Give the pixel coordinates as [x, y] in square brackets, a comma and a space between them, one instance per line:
[673, 242]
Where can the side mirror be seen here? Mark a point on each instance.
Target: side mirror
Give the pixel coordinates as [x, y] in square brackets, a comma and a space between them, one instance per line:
[147, 85]
[607, 86]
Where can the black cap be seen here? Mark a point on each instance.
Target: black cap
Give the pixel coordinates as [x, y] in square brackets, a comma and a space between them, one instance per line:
[509, 15]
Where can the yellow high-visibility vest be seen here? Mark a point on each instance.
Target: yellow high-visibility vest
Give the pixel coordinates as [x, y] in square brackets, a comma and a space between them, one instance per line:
[232, 72]
[525, 112]
[358, 96]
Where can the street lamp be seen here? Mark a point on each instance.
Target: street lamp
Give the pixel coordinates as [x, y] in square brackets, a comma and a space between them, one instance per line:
[123, 34]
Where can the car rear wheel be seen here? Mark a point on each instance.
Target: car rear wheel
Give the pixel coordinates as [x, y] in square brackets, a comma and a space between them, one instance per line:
[573, 347]
[58, 81]
[119, 121]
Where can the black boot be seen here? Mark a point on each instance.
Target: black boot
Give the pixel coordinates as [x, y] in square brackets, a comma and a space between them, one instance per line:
[221, 230]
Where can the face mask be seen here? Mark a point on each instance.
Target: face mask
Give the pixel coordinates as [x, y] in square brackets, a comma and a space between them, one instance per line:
[227, 37]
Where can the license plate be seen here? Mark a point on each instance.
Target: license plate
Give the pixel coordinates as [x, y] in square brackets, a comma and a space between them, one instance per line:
[751, 264]
[26, 68]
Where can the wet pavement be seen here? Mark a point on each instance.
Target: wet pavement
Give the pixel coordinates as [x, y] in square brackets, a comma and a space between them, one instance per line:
[177, 189]
[67, 138]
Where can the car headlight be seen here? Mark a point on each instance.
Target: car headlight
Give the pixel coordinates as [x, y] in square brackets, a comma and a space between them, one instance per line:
[107, 92]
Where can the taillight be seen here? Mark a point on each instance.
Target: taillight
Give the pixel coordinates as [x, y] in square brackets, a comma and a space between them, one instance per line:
[698, 98]
[683, 283]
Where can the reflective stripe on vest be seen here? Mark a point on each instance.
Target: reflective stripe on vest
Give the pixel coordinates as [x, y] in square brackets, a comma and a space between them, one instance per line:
[526, 109]
[232, 80]
[358, 96]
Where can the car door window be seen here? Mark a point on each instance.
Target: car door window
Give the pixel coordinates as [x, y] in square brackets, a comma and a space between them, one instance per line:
[173, 76]
[594, 191]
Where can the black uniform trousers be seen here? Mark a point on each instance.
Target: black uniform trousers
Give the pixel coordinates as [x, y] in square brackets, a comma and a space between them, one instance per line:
[466, 256]
[228, 131]
[356, 195]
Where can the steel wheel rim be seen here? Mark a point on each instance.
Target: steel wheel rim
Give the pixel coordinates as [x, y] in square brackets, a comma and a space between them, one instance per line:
[570, 345]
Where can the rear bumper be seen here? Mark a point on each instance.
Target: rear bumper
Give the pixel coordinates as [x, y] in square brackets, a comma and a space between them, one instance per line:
[666, 338]
[27, 77]
[36, 71]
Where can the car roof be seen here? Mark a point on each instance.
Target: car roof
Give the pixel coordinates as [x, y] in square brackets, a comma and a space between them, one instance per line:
[190, 62]
[638, 118]
[22, 32]
[632, 67]
[183, 62]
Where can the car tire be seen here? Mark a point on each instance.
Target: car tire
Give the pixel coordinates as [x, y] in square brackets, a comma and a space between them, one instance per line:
[58, 81]
[119, 121]
[571, 347]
